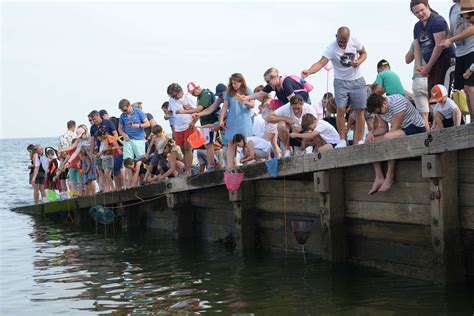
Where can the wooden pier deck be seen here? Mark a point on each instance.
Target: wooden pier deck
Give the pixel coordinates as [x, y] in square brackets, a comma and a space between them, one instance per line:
[423, 227]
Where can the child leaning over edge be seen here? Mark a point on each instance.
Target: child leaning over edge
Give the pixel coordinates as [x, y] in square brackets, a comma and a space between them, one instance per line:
[155, 152]
[446, 113]
[317, 133]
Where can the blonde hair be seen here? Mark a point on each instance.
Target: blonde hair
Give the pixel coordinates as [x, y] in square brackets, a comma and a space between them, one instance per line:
[271, 73]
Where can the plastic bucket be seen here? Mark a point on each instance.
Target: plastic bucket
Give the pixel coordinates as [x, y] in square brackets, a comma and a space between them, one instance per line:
[196, 139]
[274, 104]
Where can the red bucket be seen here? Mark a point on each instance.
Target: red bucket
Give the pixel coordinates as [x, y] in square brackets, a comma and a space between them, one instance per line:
[233, 180]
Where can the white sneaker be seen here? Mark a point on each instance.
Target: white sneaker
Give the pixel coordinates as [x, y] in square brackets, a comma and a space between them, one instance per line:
[361, 142]
[287, 154]
[342, 143]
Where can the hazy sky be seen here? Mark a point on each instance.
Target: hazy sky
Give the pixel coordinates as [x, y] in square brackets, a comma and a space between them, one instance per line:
[60, 60]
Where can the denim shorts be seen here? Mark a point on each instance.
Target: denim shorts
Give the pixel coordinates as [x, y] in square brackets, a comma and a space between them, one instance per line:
[350, 92]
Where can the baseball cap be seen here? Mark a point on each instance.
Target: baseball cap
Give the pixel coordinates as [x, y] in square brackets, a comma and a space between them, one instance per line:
[382, 62]
[220, 89]
[192, 86]
[438, 92]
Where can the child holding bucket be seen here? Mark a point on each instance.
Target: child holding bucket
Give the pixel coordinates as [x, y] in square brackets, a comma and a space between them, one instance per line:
[239, 114]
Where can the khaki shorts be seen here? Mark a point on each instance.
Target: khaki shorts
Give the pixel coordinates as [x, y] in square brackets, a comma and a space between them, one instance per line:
[420, 94]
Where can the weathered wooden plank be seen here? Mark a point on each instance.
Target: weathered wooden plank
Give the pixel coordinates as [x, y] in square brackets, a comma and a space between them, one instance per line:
[466, 194]
[277, 221]
[288, 188]
[272, 239]
[390, 252]
[405, 171]
[203, 216]
[451, 139]
[466, 165]
[202, 201]
[418, 214]
[418, 235]
[280, 205]
[395, 268]
[467, 217]
[401, 192]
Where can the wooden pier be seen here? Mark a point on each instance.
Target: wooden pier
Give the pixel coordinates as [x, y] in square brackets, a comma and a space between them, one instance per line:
[422, 228]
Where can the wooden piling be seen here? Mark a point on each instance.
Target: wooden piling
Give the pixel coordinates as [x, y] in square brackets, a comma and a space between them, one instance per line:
[330, 185]
[442, 170]
[180, 204]
[243, 202]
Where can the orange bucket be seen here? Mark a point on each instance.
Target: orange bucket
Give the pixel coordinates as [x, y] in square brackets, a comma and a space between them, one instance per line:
[196, 139]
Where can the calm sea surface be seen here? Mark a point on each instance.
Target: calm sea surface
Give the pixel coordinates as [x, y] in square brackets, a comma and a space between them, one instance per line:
[47, 268]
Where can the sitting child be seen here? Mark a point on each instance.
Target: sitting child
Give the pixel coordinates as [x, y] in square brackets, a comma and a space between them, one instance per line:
[317, 133]
[156, 159]
[446, 113]
[174, 159]
[253, 148]
[138, 167]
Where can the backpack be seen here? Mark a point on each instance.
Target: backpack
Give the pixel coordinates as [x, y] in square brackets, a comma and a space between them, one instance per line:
[308, 87]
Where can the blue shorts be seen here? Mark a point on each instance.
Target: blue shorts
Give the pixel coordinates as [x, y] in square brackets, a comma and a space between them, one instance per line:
[117, 164]
[350, 92]
[413, 129]
[133, 148]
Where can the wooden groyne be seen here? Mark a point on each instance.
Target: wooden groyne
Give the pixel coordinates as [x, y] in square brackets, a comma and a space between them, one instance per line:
[422, 228]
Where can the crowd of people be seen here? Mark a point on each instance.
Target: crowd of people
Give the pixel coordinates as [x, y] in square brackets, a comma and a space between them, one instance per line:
[234, 124]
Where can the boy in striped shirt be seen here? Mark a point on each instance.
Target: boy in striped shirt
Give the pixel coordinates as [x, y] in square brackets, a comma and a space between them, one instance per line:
[404, 119]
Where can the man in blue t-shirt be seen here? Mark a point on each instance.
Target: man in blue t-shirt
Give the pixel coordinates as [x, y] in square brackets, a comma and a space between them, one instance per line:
[132, 124]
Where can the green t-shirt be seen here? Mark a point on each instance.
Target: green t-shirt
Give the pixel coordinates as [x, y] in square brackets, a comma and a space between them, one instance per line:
[390, 82]
[205, 100]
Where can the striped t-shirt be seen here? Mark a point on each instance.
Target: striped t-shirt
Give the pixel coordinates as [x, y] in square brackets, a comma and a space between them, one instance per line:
[398, 103]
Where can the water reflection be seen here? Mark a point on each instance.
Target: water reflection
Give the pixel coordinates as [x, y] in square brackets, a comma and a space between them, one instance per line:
[150, 273]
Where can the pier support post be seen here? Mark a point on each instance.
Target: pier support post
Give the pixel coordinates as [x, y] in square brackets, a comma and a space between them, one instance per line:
[243, 202]
[180, 203]
[330, 185]
[442, 170]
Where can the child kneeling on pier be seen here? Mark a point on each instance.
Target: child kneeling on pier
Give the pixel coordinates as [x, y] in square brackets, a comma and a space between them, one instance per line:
[317, 133]
[175, 162]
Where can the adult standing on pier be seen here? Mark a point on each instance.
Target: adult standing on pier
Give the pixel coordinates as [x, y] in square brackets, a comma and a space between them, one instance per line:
[430, 31]
[346, 54]
[183, 124]
[132, 124]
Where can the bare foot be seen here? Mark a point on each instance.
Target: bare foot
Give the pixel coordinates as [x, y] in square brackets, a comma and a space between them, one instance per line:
[378, 182]
[387, 184]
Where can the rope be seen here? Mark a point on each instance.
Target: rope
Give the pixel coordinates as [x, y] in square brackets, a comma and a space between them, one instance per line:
[136, 203]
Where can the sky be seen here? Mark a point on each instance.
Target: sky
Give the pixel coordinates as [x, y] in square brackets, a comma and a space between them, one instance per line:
[60, 60]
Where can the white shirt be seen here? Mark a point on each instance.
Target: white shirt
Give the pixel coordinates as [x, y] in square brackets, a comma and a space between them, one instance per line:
[258, 126]
[446, 109]
[182, 121]
[43, 161]
[260, 143]
[327, 132]
[288, 112]
[342, 59]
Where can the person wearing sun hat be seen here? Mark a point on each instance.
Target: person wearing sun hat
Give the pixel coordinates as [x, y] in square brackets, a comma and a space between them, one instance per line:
[445, 113]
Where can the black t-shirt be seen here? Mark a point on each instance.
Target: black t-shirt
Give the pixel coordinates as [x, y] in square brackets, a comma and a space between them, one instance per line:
[115, 121]
[289, 87]
[148, 129]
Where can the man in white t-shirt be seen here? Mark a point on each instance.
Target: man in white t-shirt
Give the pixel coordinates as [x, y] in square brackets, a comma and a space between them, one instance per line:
[183, 123]
[346, 54]
[288, 118]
